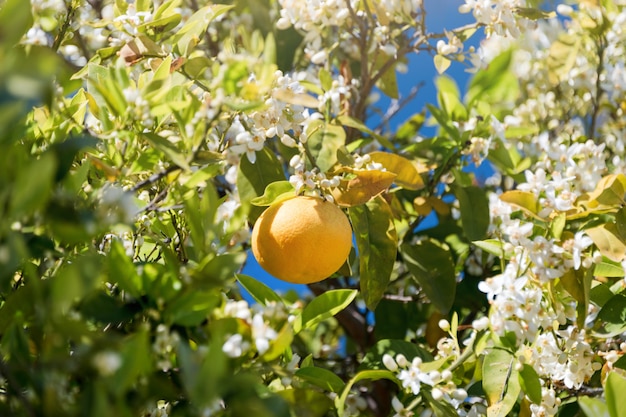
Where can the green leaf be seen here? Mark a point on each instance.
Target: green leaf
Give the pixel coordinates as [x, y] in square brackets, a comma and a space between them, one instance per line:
[495, 81]
[578, 284]
[620, 363]
[33, 185]
[500, 382]
[593, 407]
[406, 173]
[492, 246]
[191, 308]
[562, 57]
[326, 79]
[448, 97]
[136, 358]
[533, 13]
[252, 179]
[474, 206]
[323, 307]
[613, 314]
[350, 121]
[324, 141]
[259, 291]
[305, 402]
[444, 122]
[363, 375]
[274, 193]
[557, 225]
[15, 20]
[377, 244]
[321, 378]
[433, 268]
[615, 389]
[74, 281]
[187, 37]
[530, 383]
[201, 211]
[388, 82]
[393, 318]
[409, 129]
[600, 294]
[122, 271]
[168, 148]
[281, 344]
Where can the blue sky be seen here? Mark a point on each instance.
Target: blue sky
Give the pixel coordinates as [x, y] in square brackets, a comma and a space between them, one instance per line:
[441, 14]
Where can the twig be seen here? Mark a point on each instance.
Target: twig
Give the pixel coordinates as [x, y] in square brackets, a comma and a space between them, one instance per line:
[397, 106]
[66, 24]
[154, 178]
[596, 100]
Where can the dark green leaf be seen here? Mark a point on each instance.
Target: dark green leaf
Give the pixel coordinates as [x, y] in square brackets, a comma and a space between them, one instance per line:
[377, 244]
[33, 185]
[433, 268]
[474, 206]
[306, 402]
[613, 314]
[122, 270]
[530, 383]
[253, 178]
[191, 308]
[322, 378]
[600, 294]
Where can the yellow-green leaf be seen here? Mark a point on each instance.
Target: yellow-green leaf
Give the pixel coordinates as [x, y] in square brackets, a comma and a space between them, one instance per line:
[609, 241]
[275, 192]
[500, 382]
[407, 175]
[377, 243]
[609, 191]
[441, 63]
[363, 187]
[524, 200]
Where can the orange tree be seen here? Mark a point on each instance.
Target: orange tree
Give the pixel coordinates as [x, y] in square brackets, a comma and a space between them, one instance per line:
[141, 140]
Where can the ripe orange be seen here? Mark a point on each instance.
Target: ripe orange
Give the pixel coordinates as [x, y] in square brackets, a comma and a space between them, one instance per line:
[302, 240]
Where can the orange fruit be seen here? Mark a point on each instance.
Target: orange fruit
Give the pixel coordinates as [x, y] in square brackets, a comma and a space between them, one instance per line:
[302, 240]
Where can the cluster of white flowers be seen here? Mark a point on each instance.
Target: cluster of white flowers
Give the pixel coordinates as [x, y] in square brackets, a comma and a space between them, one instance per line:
[249, 132]
[138, 106]
[261, 331]
[320, 19]
[563, 355]
[412, 378]
[498, 16]
[164, 346]
[571, 154]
